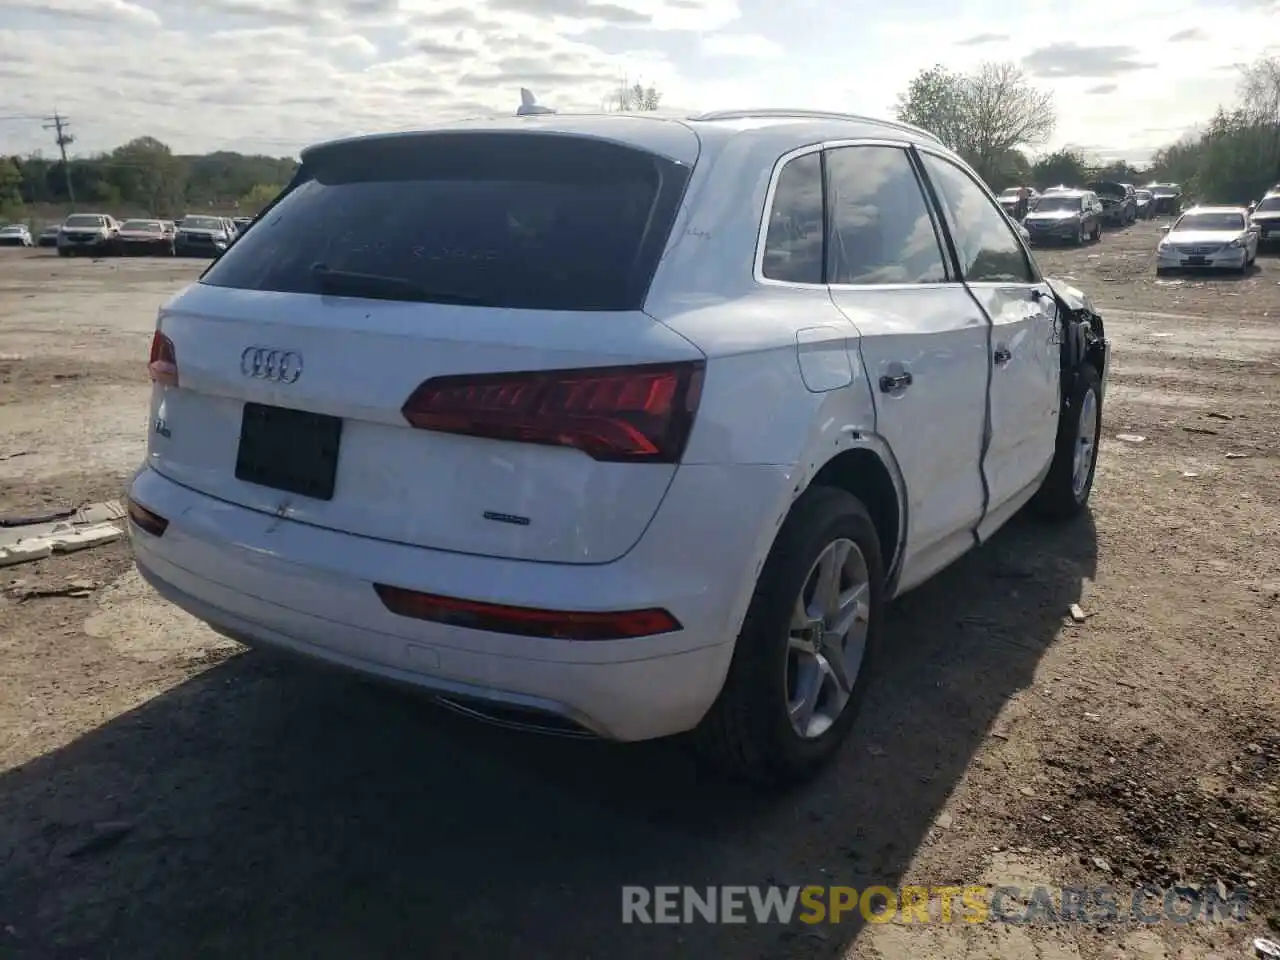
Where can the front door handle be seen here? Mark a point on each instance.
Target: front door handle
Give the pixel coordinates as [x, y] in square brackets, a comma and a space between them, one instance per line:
[898, 382]
[1002, 356]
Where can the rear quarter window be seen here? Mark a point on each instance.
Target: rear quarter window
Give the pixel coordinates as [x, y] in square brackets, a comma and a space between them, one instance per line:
[515, 220]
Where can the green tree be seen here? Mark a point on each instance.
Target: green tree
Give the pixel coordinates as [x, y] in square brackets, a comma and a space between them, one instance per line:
[1236, 157]
[984, 116]
[257, 198]
[1065, 166]
[145, 171]
[635, 98]
[10, 188]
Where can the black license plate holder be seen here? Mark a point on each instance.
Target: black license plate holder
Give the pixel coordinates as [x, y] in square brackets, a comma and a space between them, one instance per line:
[1196, 261]
[291, 450]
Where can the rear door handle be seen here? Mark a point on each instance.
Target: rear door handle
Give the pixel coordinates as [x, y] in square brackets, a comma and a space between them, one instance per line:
[1002, 355]
[898, 382]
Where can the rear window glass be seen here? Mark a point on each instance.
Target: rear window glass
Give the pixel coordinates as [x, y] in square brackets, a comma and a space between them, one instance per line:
[515, 220]
[84, 220]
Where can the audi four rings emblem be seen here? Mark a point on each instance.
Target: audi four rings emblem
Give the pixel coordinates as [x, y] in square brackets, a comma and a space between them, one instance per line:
[277, 366]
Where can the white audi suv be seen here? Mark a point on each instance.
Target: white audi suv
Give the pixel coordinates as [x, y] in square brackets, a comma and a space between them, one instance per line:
[612, 425]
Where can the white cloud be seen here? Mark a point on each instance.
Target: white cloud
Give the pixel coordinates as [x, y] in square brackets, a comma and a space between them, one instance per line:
[274, 75]
[751, 45]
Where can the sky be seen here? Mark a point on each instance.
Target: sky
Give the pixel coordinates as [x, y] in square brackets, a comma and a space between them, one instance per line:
[271, 76]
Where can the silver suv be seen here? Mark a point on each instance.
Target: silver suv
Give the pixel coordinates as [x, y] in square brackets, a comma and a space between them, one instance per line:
[87, 233]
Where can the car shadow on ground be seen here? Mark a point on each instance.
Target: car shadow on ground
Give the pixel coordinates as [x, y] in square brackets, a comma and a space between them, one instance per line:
[270, 809]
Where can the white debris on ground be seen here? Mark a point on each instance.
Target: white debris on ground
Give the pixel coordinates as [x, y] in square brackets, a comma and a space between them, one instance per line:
[90, 526]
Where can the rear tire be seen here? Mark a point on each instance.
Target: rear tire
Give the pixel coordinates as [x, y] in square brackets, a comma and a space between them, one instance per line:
[1066, 489]
[749, 731]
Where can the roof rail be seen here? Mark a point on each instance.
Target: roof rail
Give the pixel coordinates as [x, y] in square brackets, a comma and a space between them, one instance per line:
[783, 114]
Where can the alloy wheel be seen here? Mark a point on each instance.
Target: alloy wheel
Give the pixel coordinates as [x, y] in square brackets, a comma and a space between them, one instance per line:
[828, 637]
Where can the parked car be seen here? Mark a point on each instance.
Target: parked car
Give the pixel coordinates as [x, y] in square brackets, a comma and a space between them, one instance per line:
[145, 237]
[1144, 201]
[93, 233]
[1266, 217]
[48, 237]
[1119, 208]
[16, 235]
[1017, 201]
[242, 223]
[1074, 216]
[1167, 198]
[1214, 238]
[203, 236]
[503, 441]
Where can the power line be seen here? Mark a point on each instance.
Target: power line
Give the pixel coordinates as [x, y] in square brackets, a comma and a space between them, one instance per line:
[60, 123]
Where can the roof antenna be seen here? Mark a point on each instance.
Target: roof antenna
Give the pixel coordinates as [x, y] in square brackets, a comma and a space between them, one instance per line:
[529, 106]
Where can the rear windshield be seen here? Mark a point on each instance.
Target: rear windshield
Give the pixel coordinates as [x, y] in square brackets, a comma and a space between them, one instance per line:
[84, 220]
[142, 226]
[1267, 205]
[202, 223]
[514, 220]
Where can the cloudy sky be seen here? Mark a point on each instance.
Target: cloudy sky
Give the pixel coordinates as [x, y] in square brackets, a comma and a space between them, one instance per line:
[273, 75]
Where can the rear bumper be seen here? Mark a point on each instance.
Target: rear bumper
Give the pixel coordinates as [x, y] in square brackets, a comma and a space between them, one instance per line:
[278, 583]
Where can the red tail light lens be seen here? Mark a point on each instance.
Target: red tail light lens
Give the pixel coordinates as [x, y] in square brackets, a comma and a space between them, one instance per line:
[164, 361]
[526, 621]
[622, 414]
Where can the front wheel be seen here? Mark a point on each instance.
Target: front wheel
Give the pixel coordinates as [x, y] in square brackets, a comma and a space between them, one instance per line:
[1065, 491]
[801, 662]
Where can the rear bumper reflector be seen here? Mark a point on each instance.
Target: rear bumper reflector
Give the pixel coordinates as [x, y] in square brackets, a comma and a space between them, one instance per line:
[147, 521]
[527, 621]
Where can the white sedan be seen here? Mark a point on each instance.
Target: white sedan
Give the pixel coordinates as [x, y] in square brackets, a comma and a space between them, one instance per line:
[1214, 238]
[16, 235]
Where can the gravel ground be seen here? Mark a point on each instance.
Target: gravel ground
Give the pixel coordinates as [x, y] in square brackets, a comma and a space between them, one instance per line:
[165, 794]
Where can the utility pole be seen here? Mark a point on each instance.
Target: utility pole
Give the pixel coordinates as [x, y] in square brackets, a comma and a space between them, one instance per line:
[60, 123]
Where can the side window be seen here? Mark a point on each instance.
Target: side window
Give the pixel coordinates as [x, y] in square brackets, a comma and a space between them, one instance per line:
[881, 230]
[984, 238]
[793, 244]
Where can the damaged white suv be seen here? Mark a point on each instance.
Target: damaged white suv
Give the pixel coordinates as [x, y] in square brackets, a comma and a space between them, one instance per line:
[612, 425]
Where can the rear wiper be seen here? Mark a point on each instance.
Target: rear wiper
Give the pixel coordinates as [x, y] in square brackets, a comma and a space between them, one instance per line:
[353, 284]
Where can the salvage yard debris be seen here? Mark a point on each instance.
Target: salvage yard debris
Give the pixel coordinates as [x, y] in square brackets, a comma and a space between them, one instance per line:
[77, 529]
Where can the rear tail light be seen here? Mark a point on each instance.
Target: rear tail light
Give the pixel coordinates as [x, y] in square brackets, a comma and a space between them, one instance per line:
[164, 361]
[527, 621]
[620, 414]
[147, 521]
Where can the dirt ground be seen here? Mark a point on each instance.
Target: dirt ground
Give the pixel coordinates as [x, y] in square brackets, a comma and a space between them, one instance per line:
[165, 794]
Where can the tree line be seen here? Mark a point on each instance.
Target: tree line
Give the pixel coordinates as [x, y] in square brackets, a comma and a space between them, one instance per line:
[994, 116]
[143, 175]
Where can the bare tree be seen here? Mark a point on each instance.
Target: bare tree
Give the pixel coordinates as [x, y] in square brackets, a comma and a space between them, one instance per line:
[634, 97]
[984, 116]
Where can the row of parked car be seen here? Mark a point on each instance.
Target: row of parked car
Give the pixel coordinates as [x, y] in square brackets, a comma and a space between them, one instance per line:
[1078, 214]
[100, 234]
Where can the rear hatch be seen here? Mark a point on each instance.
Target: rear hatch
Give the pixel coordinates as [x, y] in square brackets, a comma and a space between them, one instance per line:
[438, 340]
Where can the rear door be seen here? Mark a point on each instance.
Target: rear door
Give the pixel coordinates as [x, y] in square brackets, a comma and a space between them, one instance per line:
[438, 340]
[1024, 334]
[924, 343]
